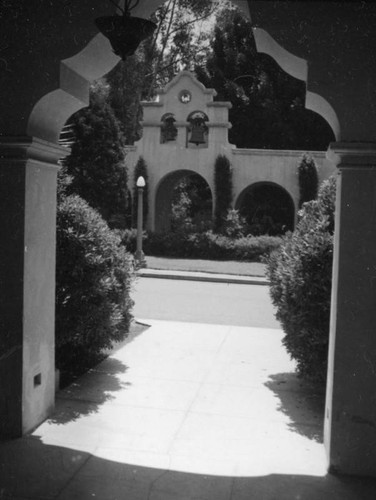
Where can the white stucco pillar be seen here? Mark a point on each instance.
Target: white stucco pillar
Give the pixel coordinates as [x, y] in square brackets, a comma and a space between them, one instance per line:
[350, 418]
[28, 173]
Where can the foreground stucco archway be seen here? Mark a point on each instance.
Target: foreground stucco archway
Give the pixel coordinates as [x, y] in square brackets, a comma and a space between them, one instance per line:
[32, 117]
[336, 38]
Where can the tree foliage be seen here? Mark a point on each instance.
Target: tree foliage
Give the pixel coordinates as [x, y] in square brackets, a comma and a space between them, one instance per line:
[177, 43]
[222, 190]
[181, 221]
[96, 164]
[93, 280]
[125, 92]
[234, 226]
[267, 104]
[308, 179]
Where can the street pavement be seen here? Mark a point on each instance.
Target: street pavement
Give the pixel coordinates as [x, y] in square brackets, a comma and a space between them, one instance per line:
[204, 302]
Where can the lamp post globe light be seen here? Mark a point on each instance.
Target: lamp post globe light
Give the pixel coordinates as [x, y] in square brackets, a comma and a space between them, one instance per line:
[140, 183]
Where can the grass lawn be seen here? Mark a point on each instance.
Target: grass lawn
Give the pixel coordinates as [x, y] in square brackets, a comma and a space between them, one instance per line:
[208, 266]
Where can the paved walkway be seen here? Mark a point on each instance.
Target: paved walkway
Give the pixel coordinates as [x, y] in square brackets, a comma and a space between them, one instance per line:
[182, 412]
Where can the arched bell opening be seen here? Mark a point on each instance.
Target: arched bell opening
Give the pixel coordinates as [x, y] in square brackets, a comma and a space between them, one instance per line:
[184, 201]
[197, 130]
[169, 131]
[267, 208]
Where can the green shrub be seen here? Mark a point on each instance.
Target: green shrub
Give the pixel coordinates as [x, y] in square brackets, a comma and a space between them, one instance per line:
[234, 225]
[93, 280]
[206, 245]
[255, 248]
[96, 162]
[300, 274]
[181, 222]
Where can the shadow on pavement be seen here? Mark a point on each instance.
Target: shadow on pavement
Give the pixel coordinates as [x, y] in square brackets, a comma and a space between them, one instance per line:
[32, 470]
[96, 387]
[93, 389]
[301, 403]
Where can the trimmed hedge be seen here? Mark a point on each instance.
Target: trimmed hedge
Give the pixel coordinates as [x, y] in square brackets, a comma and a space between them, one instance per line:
[206, 245]
[300, 274]
[93, 280]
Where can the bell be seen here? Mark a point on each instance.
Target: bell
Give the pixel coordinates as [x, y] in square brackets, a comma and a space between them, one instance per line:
[197, 134]
[125, 32]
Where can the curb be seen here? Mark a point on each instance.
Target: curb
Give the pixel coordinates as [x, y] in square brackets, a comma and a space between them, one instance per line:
[198, 276]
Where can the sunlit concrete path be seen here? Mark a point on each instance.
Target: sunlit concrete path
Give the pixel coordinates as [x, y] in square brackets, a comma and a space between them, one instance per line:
[184, 411]
[207, 407]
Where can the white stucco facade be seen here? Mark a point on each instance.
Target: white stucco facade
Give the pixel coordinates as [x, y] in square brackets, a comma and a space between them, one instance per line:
[168, 161]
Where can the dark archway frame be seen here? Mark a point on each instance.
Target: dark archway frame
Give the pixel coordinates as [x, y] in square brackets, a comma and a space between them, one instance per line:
[339, 41]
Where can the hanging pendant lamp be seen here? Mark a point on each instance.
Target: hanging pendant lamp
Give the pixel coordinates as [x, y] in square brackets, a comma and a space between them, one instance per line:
[125, 32]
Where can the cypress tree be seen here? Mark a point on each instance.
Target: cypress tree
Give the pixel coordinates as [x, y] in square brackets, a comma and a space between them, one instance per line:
[96, 163]
[308, 179]
[222, 190]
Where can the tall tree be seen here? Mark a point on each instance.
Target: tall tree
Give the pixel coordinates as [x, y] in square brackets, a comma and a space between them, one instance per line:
[268, 104]
[308, 179]
[180, 39]
[222, 190]
[127, 85]
[96, 166]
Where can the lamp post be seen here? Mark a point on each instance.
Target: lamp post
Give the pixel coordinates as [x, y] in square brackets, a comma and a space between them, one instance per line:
[140, 191]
